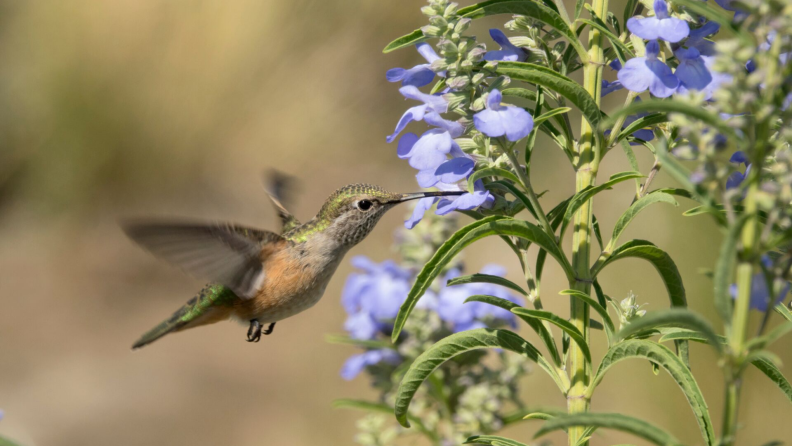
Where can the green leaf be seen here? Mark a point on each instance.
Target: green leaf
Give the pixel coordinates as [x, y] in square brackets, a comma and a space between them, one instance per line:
[510, 188]
[527, 413]
[595, 226]
[723, 270]
[538, 327]
[774, 335]
[534, 10]
[586, 194]
[566, 87]
[783, 311]
[641, 123]
[364, 343]
[491, 172]
[672, 364]
[662, 262]
[686, 335]
[616, 421]
[634, 209]
[613, 38]
[673, 106]
[563, 324]
[673, 317]
[550, 113]
[520, 93]
[595, 306]
[453, 345]
[494, 225]
[771, 371]
[487, 278]
[382, 408]
[493, 440]
[411, 39]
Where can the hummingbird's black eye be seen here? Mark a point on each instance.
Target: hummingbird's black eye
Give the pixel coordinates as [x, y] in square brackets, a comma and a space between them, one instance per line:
[364, 205]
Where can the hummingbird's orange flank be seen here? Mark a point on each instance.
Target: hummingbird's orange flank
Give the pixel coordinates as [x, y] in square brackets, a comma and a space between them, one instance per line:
[259, 276]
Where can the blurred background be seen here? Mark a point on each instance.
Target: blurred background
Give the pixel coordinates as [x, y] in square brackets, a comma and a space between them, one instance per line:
[176, 108]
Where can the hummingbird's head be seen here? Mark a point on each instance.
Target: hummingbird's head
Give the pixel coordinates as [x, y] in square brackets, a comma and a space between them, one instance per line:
[351, 213]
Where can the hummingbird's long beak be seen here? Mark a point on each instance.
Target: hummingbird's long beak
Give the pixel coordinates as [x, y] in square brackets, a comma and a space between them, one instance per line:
[417, 195]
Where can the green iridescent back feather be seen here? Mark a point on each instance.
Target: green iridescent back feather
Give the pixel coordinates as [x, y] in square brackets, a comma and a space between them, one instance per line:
[212, 295]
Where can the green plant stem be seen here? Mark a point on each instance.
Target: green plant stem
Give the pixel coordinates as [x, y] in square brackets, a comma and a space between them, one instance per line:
[529, 192]
[588, 157]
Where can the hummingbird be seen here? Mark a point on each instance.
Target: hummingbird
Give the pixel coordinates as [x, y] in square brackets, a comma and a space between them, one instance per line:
[259, 277]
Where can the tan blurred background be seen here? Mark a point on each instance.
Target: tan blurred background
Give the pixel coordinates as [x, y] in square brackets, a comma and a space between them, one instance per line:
[166, 107]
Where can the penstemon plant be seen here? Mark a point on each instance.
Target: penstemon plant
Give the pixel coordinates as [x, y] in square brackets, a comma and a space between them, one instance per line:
[714, 115]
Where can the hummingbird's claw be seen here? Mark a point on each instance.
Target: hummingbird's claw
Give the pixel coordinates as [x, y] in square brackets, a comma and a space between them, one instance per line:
[269, 329]
[254, 331]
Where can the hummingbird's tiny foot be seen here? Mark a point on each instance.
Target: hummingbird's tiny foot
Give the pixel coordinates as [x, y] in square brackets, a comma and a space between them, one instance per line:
[254, 331]
[269, 329]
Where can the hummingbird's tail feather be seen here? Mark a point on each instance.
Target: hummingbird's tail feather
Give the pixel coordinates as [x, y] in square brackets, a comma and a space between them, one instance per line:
[205, 308]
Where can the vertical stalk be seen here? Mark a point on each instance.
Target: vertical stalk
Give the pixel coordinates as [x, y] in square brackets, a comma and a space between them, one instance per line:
[588, 156]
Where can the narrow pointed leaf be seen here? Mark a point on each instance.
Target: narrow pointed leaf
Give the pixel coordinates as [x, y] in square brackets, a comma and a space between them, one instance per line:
[493, 440]
[672, 317]
[411, 39]
[672, 364]
[563, 324]
[495, 225]
[512, 189]
[771, 371]
[487, 278]
[783, 311]
[615, 421]
[666, 106]
[491, 172]
[537, 326]
[566, 87]
[614, 40]
[774, 335]
[550, 114]
[686, 335]
[451, 346]
[641, 123]
[634, 209]
[586, 194]
[594, 306]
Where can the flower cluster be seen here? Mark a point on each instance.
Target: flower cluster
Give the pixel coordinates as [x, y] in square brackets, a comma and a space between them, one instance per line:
[372, 298]
[472, 95]
[693, 52]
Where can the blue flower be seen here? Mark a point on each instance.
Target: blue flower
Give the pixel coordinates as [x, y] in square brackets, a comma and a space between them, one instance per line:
[357, 363]
[736, 178]
[498, 120]
[610, 87]
[508, 51]
[372, 297]
[760, 293]
[661, 26]
[692, 72]
[479, 198]
[642, 73]
[431, 103]
[467, 316]
[697, 39]
[451, 171]
[419, 75]
[431, 149]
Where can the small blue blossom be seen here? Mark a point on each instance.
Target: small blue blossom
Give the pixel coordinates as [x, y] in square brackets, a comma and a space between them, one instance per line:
[661, 26]
[419, 75]
[498, 120]
[423, 205]
[760, 293]
[431, 149]
[697, 39]
[479, 198]
[431, 103]
[372, 297]
[642, 73]
[692, 71]
[610, 87]
[357, 363]
[736, 178]
[508, 51]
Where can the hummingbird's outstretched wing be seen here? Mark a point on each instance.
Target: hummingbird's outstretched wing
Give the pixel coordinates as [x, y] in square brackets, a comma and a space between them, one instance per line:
[228, 254]
[278, 187]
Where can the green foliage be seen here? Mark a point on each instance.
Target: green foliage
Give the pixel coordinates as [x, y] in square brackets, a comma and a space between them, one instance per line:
[616, 421]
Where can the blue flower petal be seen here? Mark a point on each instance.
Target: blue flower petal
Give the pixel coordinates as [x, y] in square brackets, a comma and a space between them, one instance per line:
[454, 170]
[497, 120]
[508, 51]
[739, 157]
[412, 114]
[406, 144]
[430, 151]
[642, 73]
[610, 87]
[661, 26]
[423, 205]
[692, 71]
